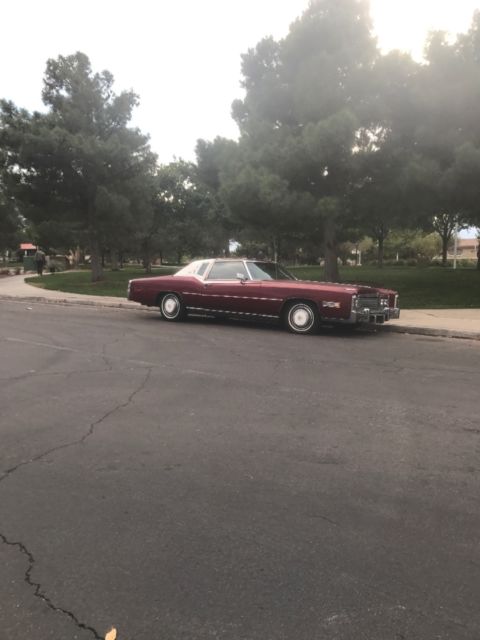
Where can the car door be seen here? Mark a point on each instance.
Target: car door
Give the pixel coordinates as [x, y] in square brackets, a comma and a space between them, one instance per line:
[223, 288]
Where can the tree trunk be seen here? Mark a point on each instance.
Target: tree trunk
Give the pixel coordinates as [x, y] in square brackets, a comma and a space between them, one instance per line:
[114, 260]
[147, 262]
[77, 257]
[96, 258]
[330, 247]
[445, 239]
[445, 225]
[381, 250]
[275, 249]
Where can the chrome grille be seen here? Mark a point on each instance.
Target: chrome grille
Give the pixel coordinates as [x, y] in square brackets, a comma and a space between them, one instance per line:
[369, 301]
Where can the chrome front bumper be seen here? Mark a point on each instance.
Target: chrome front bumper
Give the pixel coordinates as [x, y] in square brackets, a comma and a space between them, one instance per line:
[374, 316]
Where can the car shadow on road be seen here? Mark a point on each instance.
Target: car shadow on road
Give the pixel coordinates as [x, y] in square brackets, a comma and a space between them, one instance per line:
[345, 332]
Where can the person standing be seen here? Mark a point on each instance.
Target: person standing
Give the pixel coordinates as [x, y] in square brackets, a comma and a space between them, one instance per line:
[40, 261]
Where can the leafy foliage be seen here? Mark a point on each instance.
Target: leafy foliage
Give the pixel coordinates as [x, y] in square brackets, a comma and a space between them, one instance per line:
[337, 142]
[79, 163]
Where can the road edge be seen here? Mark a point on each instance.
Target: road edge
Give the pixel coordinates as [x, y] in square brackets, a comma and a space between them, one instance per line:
[135, 306]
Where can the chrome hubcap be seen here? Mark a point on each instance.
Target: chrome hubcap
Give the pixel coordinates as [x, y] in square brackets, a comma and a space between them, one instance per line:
[170, 306]
[301, 318]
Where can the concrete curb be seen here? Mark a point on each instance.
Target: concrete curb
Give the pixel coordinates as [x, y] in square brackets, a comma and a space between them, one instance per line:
[430, 331]
[75, 301]
[135, 306]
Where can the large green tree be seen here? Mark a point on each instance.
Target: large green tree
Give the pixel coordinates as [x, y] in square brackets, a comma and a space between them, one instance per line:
[10, 220]
[185, 218]
[382, 197]
[79, 163]
[215, 161]
[307, 110]
[10, 225]
[447, 133]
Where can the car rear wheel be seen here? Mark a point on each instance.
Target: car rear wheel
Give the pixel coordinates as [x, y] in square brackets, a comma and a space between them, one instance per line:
[301, 317]
[172, 308]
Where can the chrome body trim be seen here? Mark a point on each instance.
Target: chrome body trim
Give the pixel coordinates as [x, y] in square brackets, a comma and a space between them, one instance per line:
[231, 313]
[218, 295]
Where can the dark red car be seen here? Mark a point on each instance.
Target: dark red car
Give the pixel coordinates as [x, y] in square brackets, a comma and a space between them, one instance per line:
[256, 289]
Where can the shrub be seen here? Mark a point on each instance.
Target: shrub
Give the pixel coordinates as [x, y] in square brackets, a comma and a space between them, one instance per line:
[395, 263]
[462, 264]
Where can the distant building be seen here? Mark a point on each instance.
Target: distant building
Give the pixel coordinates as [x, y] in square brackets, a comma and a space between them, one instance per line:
[466, 249]
[27, 249]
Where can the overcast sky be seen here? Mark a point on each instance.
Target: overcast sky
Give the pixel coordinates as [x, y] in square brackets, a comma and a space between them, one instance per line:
[181, 56]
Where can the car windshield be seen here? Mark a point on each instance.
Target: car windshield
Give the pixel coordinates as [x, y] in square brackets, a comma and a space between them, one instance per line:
[268, 271]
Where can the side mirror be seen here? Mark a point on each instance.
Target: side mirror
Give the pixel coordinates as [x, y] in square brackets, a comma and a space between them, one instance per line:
[241, 277]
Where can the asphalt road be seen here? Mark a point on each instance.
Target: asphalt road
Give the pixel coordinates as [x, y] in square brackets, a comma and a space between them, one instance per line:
[212, 480]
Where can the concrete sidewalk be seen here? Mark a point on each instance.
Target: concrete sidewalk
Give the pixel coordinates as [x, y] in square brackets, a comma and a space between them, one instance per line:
[451, 323]
[15, 287]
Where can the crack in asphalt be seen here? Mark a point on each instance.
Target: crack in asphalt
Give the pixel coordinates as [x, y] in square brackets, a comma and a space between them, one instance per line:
[320, 517]
[90, 431]
[391, 368]
[38, 593]
[106, 359]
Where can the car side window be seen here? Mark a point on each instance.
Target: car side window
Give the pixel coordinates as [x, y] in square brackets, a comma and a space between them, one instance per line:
[202, 268]
[228, 271]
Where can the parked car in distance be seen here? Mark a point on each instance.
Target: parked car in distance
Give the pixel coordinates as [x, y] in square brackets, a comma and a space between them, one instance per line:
[255, 289]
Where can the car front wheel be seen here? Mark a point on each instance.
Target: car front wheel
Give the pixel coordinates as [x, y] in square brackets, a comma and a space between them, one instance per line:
[172, 308]
[301, 317]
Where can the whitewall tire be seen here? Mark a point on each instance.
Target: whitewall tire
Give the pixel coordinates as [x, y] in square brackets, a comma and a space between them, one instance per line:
[172, 307]
[301, 317]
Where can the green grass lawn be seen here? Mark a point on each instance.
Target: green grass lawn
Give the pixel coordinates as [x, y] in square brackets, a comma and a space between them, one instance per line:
[429, 287]
[114, 282]
[419, 287]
